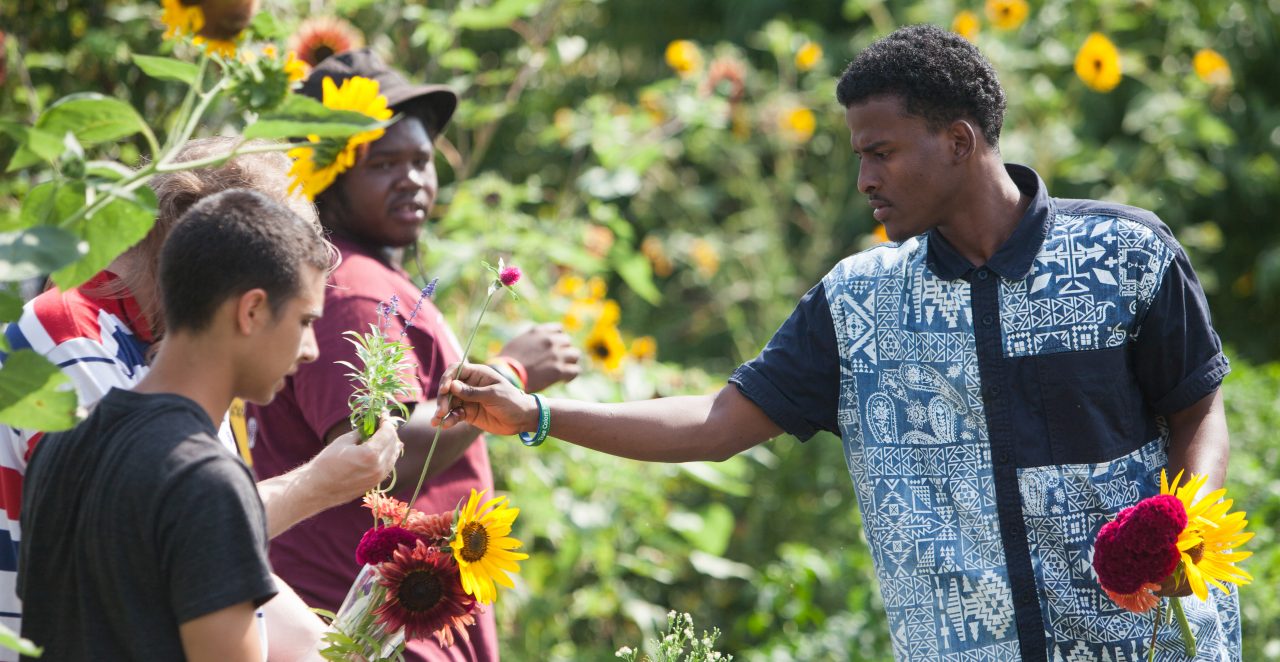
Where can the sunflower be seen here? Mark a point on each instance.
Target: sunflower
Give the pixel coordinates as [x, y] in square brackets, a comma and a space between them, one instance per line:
[684, 57]
[179, 19]
[797, 124]
[1208, 542]
[808, 56]
[316, 165]
[1098, 63]
[606, 346]
[1211, 67]
[483, 548]
[1007, 14]
[319, 37]
[224, 47]
[424, 595]
[644, 348]
[966, 25]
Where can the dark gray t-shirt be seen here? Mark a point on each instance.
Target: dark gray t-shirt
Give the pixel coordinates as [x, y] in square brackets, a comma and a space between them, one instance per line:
[134, 522]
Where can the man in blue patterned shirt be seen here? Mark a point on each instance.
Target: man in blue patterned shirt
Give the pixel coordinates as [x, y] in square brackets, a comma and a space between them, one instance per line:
[1006, 376]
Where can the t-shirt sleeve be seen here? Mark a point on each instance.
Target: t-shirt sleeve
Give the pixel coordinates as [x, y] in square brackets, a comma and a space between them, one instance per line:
[212, 535]
[323, 386]
[1178, 357]
[795, 380]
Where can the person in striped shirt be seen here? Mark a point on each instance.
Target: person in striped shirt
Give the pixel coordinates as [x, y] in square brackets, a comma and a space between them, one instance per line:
[102, 334]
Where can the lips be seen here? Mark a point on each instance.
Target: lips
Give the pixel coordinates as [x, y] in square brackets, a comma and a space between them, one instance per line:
[879, 208]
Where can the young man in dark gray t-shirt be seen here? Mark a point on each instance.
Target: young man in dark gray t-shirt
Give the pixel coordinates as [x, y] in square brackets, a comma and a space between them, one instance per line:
[143, 538]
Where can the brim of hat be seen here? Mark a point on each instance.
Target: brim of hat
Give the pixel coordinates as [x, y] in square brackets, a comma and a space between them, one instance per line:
[433, 104]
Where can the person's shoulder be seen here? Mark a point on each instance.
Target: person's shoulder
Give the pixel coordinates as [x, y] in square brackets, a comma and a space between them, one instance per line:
[886, 259]
[1135, 224]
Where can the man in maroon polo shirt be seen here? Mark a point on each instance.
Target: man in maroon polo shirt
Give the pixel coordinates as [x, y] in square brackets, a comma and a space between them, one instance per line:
[373, 210]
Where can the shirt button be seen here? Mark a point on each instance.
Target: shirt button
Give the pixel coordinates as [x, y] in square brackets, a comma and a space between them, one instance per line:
[1004, 457]
[983, 273]
[988, 319]
[994, 390]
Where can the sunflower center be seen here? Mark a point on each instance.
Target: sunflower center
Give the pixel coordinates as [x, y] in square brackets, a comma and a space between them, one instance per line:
[1196, 553]
[475, 542]
[420, 591]
[322, 51]
[1097, 65]
[599, 350]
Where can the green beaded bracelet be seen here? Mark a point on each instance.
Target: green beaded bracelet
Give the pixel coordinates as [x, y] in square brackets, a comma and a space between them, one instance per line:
[544, 425]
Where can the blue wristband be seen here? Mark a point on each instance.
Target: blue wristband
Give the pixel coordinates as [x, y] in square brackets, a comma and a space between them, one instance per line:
[544, 424]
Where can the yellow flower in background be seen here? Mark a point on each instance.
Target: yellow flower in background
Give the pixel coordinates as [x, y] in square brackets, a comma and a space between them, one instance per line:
[1209, 540]
[224, 47]
[808, 56]
[644, 348]
[1098, 63]
[610, 313]
[596, 288]
[879, 234]
[319, 37]
[180, 19]
[483, 546]
[705, 257]
[569, 285]
[605, 346]
[966, 25]
[598, 240]
[294, 68]
[316, 166]
[1211, 67]
[1007, 14]
[684, 57]
[797, 124]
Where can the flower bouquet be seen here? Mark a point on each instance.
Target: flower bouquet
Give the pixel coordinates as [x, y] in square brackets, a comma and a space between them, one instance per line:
[423, 575]
[1168, 541]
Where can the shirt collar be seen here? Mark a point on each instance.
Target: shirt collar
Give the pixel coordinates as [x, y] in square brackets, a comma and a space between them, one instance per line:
[1013, 260]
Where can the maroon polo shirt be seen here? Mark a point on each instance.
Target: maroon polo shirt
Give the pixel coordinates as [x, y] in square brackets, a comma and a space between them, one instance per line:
[317, 556]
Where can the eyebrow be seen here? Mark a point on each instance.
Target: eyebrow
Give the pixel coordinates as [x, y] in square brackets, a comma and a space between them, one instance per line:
[872, 147]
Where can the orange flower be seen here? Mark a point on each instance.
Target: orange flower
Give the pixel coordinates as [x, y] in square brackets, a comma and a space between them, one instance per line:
[319, 37]
[684, 57]
[1211, 67]
[808, 56]
[797, 124]
[1098, 63]
[966, 25]
[1007, 14]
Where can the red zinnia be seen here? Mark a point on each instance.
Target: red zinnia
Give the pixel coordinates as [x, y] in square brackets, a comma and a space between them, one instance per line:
[321, 36]
[378, 543]
[1140, 546]
[424, 595]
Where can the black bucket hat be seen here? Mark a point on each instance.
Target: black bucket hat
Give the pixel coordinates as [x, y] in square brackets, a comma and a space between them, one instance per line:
[433, 104]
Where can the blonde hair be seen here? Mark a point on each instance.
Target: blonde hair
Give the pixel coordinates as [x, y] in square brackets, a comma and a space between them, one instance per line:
[176, 192]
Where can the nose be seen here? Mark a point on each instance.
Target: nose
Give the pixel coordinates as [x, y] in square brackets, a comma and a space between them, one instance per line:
[868, 180]
[308, 348]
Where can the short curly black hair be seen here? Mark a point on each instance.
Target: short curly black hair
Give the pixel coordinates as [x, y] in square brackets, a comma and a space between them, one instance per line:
[939, 76]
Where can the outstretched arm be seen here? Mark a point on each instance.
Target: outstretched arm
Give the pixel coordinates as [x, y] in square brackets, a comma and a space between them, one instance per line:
[677, 429]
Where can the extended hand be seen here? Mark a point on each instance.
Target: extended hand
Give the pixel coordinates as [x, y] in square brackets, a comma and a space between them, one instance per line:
[481, 397]
[548, 355]
[346, 468]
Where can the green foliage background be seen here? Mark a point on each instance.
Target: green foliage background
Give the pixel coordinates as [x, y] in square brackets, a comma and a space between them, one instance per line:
[573, 128]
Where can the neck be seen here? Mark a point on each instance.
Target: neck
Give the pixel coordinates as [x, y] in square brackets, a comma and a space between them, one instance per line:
[987, 213]
[192, 366]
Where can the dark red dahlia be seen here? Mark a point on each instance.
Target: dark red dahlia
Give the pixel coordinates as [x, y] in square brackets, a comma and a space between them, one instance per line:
[380, 542]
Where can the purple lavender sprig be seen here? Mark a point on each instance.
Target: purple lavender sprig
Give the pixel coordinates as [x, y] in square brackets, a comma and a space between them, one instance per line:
[427, 292]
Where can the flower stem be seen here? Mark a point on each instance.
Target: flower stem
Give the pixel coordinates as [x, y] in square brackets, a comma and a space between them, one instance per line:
[422, 476]
[1188, 637]
[1151, 654]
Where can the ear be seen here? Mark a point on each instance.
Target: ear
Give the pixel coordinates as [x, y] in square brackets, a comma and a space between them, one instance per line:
[252, 311]
[964, 140]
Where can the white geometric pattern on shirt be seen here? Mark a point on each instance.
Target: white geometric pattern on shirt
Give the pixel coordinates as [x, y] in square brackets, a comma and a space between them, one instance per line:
[917, 448]
[1093, 274]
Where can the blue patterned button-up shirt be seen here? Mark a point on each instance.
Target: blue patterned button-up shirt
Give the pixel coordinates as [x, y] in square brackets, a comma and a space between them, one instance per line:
[995, 417]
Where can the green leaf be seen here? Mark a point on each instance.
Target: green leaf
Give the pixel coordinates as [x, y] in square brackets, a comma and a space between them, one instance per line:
[34, 394]
[266, 27]
[34, 146]
[167, 68]
[301, 116]
[500, 15]
[35, 251]
[92, 118]
[10, 640]
[10, 309]
[638, 275]
[464, 59]
[50, 202]
[109, 232]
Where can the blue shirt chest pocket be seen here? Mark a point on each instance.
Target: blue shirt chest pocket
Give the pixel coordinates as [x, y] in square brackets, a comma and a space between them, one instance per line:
[1093, 408]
